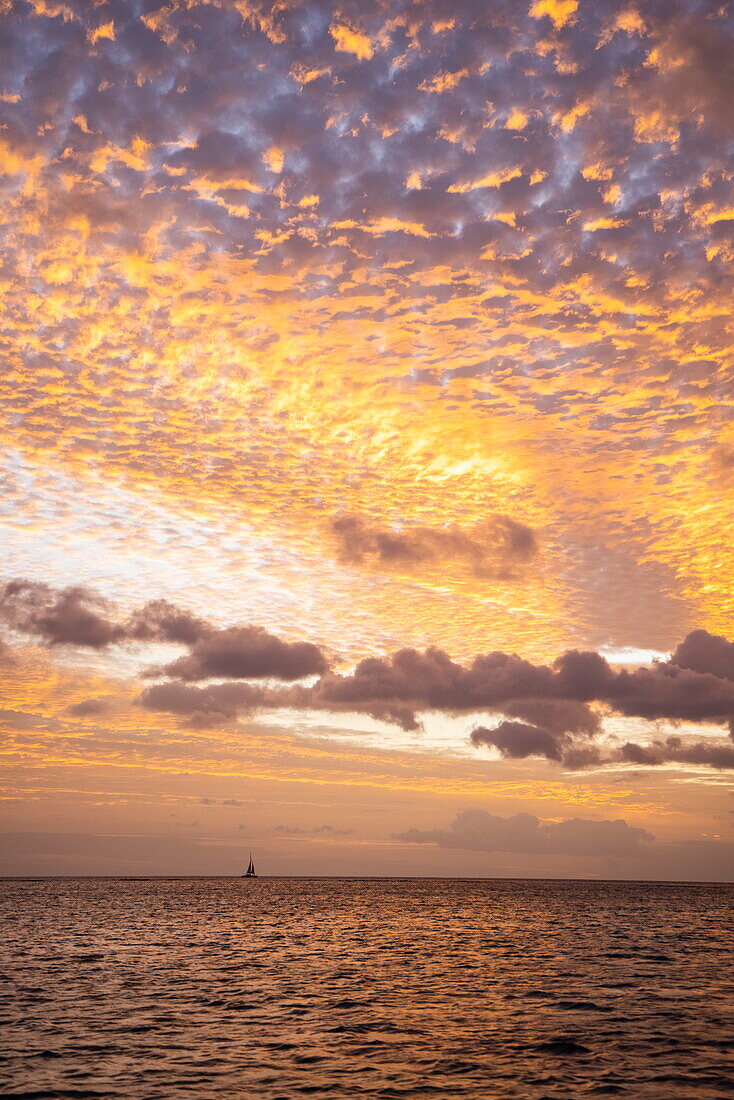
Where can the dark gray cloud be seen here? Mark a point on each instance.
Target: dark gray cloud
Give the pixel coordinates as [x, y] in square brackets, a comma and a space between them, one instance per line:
[480, 831]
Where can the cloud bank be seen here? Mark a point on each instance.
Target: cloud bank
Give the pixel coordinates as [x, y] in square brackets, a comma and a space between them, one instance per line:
[547, 706]
[480, 831]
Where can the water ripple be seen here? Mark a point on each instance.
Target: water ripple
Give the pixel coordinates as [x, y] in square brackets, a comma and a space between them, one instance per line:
[278, 988]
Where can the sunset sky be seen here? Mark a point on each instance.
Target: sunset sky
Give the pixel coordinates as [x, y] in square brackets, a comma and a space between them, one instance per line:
[367, 411]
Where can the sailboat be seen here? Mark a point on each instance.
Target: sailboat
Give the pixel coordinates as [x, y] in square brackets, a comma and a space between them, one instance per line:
[250, 872]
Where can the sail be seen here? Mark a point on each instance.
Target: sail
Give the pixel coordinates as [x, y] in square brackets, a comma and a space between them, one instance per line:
[250, 872]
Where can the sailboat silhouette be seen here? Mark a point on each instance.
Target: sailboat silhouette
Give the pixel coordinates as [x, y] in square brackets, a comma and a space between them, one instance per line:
[250, 872]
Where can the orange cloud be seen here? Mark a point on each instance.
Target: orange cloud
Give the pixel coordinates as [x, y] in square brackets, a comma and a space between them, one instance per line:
[443, 81]
[349, 40]
[104, 30]
[560, 12]
[492, 179]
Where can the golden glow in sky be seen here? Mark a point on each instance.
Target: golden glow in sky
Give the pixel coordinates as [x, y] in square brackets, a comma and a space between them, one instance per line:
[350, 331]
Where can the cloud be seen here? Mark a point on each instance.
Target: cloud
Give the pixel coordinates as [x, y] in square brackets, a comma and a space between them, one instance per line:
[493, 179]
[74, 616]
[78, 615]
[704, 652]
[666, 691]
[689, 68]
[493, 547]
[159, 620]
[723, 458]
[326, 831]
[468, 359]
[480, 831]
[517, 740]
[432, 680]
[639, 754]
[582, 675]
[422, 358]
[224, 702]
[556, 715]
[352, 41]
[90, 707]
[247, 652]
[71, 616]
[559, 12]
[710, 754]
[551, 702]
[203, 706]
[554, 733]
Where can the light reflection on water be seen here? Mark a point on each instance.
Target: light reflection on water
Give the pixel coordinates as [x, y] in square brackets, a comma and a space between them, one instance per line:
[333, 987]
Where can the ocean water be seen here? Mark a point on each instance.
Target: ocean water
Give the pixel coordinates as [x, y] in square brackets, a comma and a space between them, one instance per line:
[286, 987]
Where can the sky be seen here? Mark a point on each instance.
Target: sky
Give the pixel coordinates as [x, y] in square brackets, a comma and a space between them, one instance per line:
[368, 438]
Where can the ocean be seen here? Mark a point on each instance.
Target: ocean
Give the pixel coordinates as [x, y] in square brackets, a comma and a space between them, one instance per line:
[286, 987]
